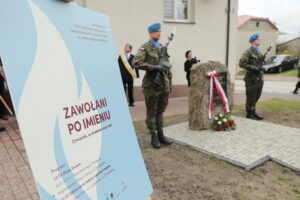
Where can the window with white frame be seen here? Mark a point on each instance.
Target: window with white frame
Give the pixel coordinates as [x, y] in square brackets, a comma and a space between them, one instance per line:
[178, 10]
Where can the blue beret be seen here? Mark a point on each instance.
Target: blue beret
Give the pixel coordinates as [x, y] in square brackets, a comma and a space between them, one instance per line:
[253, 37]
[154, 27]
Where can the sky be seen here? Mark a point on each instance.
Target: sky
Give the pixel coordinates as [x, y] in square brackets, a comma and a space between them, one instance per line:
[284, 13]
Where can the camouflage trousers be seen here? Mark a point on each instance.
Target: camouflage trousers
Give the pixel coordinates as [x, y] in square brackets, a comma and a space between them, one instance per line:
[156, 104]
[253, 93]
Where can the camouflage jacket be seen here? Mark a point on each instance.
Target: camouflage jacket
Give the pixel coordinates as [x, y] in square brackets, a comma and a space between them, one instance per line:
[147, 57]
[248, 62]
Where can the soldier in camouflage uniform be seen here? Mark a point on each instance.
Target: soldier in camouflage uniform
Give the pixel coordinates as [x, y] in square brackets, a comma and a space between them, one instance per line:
[156, 96]
[254, 77]
[298, 83]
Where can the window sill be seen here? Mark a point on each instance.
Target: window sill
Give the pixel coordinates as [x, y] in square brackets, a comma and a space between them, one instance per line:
[179, 22]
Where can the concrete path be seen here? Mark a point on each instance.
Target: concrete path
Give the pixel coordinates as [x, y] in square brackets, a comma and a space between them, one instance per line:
[252, 144]
[281, 87]
[16, 180]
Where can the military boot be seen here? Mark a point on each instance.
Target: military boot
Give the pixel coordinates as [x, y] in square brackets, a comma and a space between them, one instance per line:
[163, 139]
[257, 116]
[154, 139]
[250, 115]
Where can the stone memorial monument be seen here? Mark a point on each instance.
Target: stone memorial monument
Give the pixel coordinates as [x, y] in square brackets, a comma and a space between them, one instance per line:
[199, 94]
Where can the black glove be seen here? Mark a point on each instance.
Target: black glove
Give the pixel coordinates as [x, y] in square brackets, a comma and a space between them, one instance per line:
[159, 68]
[262, 69]
[256, 71]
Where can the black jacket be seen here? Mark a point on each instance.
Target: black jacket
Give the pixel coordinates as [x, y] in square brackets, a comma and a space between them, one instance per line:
[187, 66]
[126, 76]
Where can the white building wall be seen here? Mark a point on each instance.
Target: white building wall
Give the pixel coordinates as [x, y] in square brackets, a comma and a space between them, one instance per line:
[206, 37]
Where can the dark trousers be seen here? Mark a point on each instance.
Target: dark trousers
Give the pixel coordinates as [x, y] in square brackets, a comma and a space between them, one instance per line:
[156, 104]
[189, 81]
[188, 78]
[297, 86]
[253, 93]
[128, 87]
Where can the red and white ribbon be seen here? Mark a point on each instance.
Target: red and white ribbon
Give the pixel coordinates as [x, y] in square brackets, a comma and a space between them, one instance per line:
[214, 82]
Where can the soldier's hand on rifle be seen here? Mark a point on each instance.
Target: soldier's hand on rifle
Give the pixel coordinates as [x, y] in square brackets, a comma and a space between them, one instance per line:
[262, 69]
[256, 71]
[159, 68]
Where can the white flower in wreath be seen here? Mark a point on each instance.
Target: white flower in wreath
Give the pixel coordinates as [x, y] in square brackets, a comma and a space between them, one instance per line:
[219, 122]
[216, 118]
[220, 115]
[225, 120]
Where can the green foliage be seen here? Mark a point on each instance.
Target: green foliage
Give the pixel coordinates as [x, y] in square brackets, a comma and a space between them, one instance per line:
[275, 105]
[241, 73]
[297, 191]
[285, 51]
[284, 178]
[262, 170]
[139, 124]
[292, 73]
[279, 105]
[286, 170]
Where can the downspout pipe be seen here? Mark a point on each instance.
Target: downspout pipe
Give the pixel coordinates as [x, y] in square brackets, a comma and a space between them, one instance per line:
[228, 31]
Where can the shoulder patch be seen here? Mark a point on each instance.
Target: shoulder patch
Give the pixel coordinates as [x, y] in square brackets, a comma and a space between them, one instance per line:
[247, 51]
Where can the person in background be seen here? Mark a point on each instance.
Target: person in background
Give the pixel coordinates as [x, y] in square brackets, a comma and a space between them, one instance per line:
[127, 72]
[2, 87]
[188, 65]
[298, 83]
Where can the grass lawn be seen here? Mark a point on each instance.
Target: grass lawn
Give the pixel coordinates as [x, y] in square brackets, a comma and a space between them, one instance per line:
[285, 112]
[275, 105]
[293, 73]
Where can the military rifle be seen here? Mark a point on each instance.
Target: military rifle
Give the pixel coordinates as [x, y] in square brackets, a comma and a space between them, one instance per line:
[261, 60]
[162, 62]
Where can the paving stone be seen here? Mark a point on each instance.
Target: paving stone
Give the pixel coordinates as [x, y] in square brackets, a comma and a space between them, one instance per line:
[253, 143]
[16, 180]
